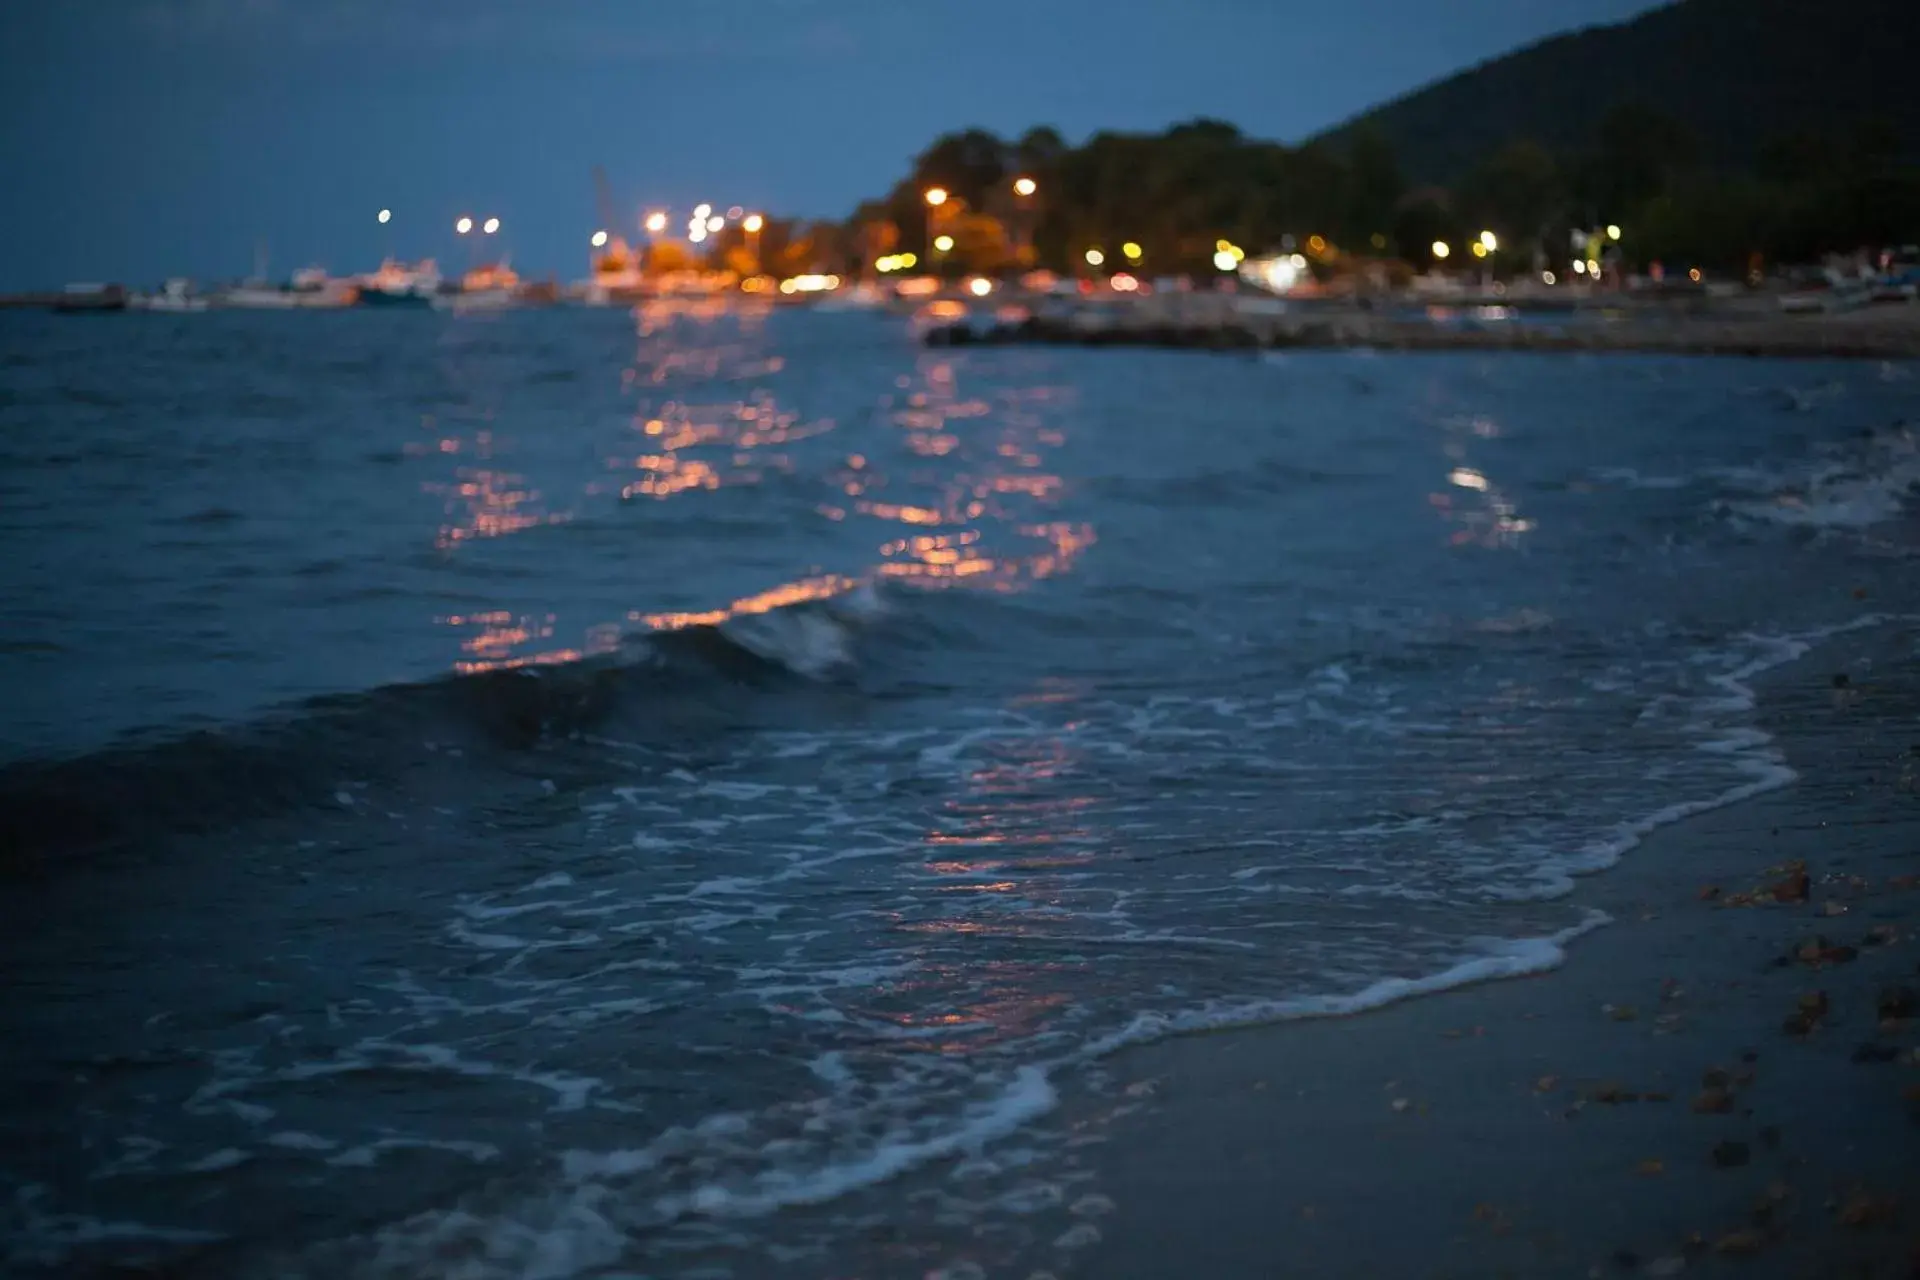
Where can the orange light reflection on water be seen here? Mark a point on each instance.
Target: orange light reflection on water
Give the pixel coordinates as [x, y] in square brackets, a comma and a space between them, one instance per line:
[780, 597]
[491, 504]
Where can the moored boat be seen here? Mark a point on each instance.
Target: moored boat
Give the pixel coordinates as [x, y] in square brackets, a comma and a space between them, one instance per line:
[396, 284]
[175, 295]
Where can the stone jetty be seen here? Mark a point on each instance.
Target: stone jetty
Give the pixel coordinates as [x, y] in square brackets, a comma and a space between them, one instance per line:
[1228, 322]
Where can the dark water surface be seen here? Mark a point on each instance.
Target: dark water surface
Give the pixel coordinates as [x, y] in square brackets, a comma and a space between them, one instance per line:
[575, 793]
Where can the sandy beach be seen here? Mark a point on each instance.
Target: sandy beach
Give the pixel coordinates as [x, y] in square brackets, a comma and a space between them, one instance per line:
[1724, 1081]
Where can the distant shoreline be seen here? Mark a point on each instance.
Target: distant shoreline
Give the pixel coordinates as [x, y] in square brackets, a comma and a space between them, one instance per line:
[1210, 322]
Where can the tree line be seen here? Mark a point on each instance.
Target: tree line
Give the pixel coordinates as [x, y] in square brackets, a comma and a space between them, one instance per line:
[1175, 195]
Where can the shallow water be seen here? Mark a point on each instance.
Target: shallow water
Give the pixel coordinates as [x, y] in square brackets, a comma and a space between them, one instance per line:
[557, 792]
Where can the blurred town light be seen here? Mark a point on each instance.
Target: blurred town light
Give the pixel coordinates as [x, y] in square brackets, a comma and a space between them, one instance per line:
[463, 226]
[1489, 241]
[701, 211]
[936, 196]
[656, 222]
[1440, 249]
[735, 212]
[697, 232]
[1298, 261]
[1024, 186]
[943, 243]
[1479, 250]
[716, 222]
[1694, 275]
[1132, 250]
[493, 225]
[754, 222]
[1095, 257]
[1547, 277]
[386, 215]
[599, 239]
[1225, 261]
[1613, 231]
[980, 286]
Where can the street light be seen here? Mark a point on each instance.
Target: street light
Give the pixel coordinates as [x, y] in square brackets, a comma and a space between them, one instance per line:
[599, 239]
[936, 196]
[751, 224]
[1132, 251]
[1613, 231]
[1095, 257]
[1024, 186]
[656, 223]
[1489, 241]
[463, 226]
[386, 216]
[1440, 249]
[943, 243]
[493, 225]
[701, 211]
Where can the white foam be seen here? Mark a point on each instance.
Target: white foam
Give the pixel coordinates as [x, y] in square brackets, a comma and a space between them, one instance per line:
[1029, 1096]
[368, 1154]
[1505, 958]
[225, 1158]
[812, 644]
[1864, 491]
[1627, 477]
[37, 1237]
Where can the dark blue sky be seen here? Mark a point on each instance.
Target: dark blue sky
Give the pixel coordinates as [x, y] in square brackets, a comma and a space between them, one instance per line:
[140, 138]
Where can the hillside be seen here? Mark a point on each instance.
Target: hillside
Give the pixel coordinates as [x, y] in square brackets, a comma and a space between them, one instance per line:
[1737, 72]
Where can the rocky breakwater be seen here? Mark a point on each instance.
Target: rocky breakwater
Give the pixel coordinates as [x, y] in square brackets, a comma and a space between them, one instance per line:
[1239, 322]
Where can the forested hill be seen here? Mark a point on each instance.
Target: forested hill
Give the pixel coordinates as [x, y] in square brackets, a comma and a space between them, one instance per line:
[1736, 73]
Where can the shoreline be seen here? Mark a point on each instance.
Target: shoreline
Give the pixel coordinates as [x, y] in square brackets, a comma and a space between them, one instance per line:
[1691, 1089]
[1210, 323]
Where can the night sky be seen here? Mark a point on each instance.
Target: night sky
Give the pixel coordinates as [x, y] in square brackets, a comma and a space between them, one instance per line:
[141, 138]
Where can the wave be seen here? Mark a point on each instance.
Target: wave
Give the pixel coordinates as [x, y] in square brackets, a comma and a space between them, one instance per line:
[1869, 481]
[657, 691]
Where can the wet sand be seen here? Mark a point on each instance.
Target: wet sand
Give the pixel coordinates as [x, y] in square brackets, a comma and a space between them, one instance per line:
[1705, 1088]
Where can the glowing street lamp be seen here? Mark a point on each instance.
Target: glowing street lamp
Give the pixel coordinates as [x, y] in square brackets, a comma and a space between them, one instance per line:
[463, 226]
[943, 243]
[1489, 241]
[386, 216]
[1613, 231]
[1095, 257]
[1025, 186]
[1132, 250]
[716, 222]
[702, 211]
[1223, 260]
[1440, 249]
[751, 224]
[656, 223]
[493, 225]
[936, 196]
[599, 239]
